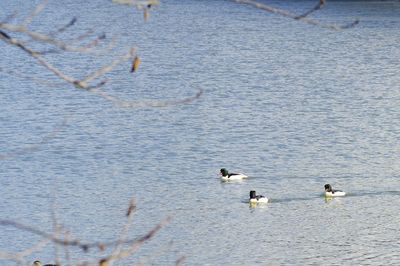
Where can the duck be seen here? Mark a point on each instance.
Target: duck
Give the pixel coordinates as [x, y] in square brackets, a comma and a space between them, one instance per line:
[329, 192]
[226, 176]
[38, 263]
[257, 198]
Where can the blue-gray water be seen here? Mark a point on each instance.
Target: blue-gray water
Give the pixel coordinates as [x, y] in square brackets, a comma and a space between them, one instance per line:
[293, 106]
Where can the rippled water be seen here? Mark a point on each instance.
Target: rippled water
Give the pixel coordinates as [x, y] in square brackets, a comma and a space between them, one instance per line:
[293, 106]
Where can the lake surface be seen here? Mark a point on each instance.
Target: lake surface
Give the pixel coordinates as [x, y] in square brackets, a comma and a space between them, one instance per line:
[293, 106]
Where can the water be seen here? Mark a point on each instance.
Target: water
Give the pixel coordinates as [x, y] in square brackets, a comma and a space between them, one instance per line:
[292, 105]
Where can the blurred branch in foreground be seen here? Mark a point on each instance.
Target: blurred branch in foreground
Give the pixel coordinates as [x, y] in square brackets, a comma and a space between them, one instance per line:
[92, 82]
[123, 246]
[302, 17]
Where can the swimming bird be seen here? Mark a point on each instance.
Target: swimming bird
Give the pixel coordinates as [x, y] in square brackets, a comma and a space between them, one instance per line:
[329, 192]
[257, 198]
[226, 176]
[38, 263]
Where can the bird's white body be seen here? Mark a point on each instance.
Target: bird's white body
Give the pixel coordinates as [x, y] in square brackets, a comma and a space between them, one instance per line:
[233, 177]
[329, 192]
[259, 200]
[336, 193]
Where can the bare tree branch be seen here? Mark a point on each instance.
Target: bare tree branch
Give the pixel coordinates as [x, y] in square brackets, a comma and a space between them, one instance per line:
[137, 3]
[317, 7]
[5, 37]
[89, 47]
[152, 104]
[63, 28]
[86, 82]
[12, 256]
[302, 18]
[107, 68]
[39, 246]
[43, 38]
[85, 246]
[84, 35]
[81, 84]
[125, 230]
[135, 245]
[39, 8]
[20, 256]
[180, 261]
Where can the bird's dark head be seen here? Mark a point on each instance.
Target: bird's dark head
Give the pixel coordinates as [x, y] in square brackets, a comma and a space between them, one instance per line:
[328, 188]
[224, 172]
[252, 194]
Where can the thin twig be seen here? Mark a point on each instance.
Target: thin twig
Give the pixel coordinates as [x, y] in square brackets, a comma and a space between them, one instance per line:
[124, 232]
[19, 256]
[39, 246]
[135, 245]
[43, 38]
[5, 37]
[84, 35]
[85, 246]
[154, 103]
[63, 28]
[89, 47]
[81, 84]
[180, 261]
[317, 7]
[66, 250]
[137, 3]
[108, 68]
[39, 8]
[85, 83]
[302, 18]
[12, 256]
